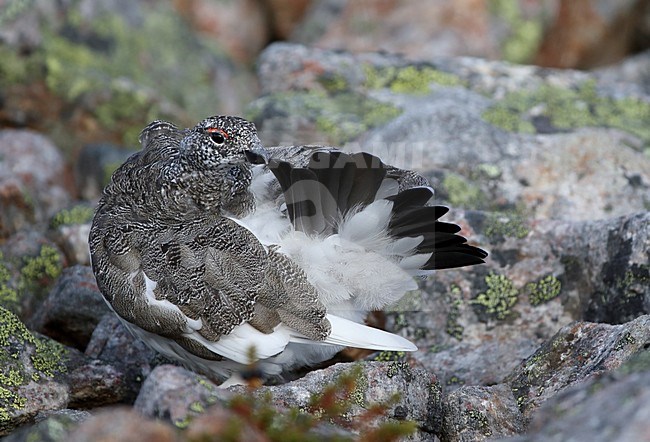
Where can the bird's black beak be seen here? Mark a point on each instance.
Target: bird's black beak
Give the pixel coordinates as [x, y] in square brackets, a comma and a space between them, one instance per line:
[257, 155]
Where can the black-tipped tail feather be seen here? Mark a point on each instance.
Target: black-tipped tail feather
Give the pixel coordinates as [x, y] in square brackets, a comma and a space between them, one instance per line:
[334, 182]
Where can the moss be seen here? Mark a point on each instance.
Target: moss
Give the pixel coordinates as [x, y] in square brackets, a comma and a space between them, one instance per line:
[564, 108]
[462, 193]
[544, 290]
[47, 359]
[525, 34]
[79, 214]
[500, 225]
[499, 298]
[409, 79]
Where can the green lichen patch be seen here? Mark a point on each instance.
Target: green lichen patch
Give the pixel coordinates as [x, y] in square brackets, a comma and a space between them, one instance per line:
[501, 225]
[341, 116]
[28, 276]
[478, 421]
[542, 291]
[634, 281]
[487, 171]
[79, 214]
[389, 356]
[16, 69]
[554, 108]
[17, 345]
[413, 79]
[8, 295]
[497, 301]
[455, 300]
[525, 34]
[334, 83]
[462, 193]
[397, 363]
[39, 271]
[455, 380]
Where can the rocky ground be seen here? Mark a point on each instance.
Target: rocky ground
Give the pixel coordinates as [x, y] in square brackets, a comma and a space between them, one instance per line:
[548, 170]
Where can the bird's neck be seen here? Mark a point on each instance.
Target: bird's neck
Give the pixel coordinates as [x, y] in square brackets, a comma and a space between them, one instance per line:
[212, 192]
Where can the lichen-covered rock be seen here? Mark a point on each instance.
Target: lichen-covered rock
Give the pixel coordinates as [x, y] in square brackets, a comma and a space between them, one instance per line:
[94, 166]
[50, 426]
[115, 346]
[29, 265]
[605, 274]
[38, 374]
[32, 373]
[70, 228]
[477, 413]
[176, 395]
[576, 353]
[123, 424]
[614, 406]
[473, 326]
[217, 423]
[549, 33]
[553, 144]
[566, 44]
[423, 30]
[72, 309]
[419, 393]
[189, 400]
[32, 180]
[241, 28]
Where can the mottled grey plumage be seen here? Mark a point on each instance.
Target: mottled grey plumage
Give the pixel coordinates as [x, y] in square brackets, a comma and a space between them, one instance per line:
[203, 253]
[161, 216]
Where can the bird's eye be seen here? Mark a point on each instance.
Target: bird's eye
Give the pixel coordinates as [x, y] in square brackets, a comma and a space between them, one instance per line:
[217, 135]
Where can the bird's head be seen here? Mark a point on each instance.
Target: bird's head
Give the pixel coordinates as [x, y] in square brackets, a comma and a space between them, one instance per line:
[222, 140]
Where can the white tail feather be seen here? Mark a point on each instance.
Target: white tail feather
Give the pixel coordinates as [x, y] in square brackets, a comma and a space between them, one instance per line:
[351, 334]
